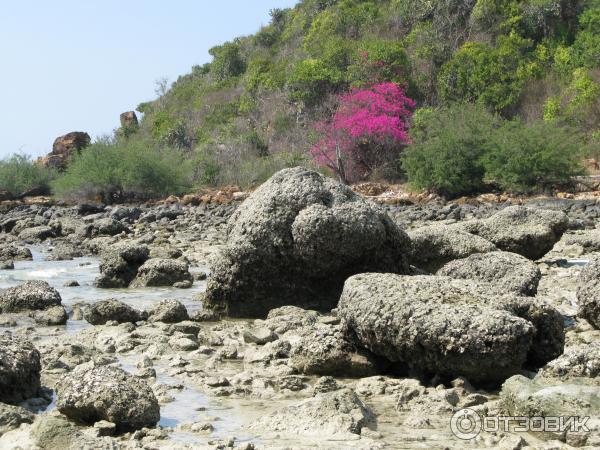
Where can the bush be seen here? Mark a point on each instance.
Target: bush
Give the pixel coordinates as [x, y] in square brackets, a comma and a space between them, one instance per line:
[525, 158]
[18, 174]
[312, 79]
[227, 61]
[120, 171]
[448, 144]
[366, 133]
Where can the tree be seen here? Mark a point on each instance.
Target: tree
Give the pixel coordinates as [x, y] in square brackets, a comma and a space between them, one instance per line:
[367, 132]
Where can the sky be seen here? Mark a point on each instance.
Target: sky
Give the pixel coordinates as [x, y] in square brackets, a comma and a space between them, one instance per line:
[75, 65]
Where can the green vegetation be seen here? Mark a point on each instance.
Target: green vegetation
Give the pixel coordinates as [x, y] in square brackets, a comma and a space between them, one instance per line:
[19, 174]
[116, 171]
[509, 65]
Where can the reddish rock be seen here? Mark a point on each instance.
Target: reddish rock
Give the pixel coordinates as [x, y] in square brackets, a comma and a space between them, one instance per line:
[128, 119]
[63, 148]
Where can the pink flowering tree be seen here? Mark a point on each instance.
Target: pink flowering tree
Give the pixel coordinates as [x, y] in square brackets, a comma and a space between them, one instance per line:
[367, 132]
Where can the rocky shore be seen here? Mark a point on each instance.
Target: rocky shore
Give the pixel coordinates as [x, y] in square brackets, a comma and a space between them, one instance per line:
[306, 316]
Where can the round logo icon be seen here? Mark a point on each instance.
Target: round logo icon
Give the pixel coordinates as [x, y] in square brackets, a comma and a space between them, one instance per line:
[465, 424]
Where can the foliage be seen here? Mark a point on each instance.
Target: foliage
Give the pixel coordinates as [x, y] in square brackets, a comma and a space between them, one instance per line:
[228, 61]
[520, 157]
[367, 131]
[116, 171]
[18, 174]
[448, 146]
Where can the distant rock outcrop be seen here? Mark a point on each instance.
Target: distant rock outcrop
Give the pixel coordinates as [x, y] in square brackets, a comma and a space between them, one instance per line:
[64, 147]
[128, 119]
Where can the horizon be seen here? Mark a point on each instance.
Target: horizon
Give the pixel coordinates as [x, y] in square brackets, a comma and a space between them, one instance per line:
[71, 72]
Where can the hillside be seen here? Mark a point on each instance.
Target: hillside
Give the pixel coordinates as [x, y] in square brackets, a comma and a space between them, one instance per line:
[521, 68]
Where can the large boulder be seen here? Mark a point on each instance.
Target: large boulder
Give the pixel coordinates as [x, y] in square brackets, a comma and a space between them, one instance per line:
[19, 369]
[29, 296]
[162, 272]
[112, 310]
[580, 364]
[120, 264]
[435, 245]
[588, 292]
[295, 240]
[333, 414]
[440, 325]
[90, 394]
[507, 272]
[530, 232]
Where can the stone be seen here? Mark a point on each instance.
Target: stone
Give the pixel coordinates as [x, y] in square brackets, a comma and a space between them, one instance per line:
[439, 325]
[323, 350]
[36, 234]
[119, 265]
[588, 292]
[7, 265]
[19, 369]
[112, 310]
[295, 240]
[259, 336]
[128, 119]
[168, 311]
[435, 245]
[286, 318]
[530, 232]
[332, 414]
[90, 394]
[55, 315]
[29, 296]
[161, 272]
[580, 364]
[505, 271]
[64, 148]
[11, 417]
[15, 253]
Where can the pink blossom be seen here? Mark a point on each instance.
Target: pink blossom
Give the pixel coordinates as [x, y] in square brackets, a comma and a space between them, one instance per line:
[368, 127]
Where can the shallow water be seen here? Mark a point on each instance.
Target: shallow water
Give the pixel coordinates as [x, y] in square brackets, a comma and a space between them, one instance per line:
[84, 271]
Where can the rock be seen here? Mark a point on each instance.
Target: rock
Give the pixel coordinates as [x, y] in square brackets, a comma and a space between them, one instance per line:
[507, 272]
[589, 240]
[7, 265]
[107, 227]
[523, 397]
[36, 234]
[168, 311]
[435, 245]
[71, 283]
[29, 296]
[323, 350]
[105, 428]
[161, 272]
[13, 252]
[295, 240]
[11, 417]
[580, 364]
[112, 309]
[338, 413]
[588, 292]
[128, 119]
[183, 343]
[325, 384]
[88, 395]
[64, 252]
[55, 315]
[259, 336]
[64, 147]
[449, 327]
[527, 231]
[19, 369]
[286, 318]
[120, 264]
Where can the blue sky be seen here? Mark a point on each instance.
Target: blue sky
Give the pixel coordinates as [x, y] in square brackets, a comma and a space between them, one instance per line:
[75, 65]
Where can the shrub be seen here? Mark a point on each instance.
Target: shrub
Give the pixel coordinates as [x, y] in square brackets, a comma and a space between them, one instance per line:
[520, 157]
[18, 174]
[119, 171]
[227, 61]
[378, 61]
[313, 79]
[367, 132]
[495, 76]
[448, 145]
